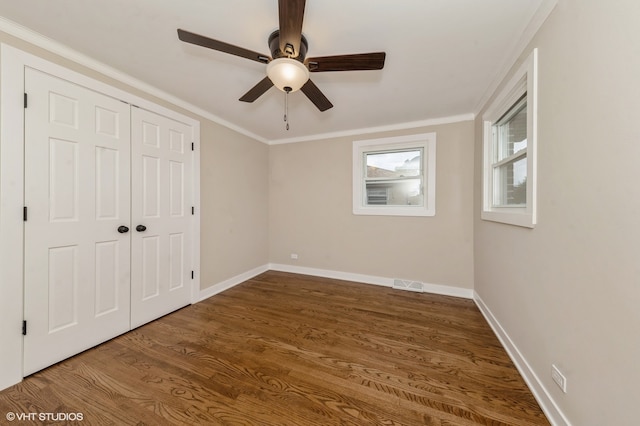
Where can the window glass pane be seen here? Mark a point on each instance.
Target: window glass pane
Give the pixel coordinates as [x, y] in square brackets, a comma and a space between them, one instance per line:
[393, 164]
[511, 131]
[395, 176]
[395, 193]
[510, 180]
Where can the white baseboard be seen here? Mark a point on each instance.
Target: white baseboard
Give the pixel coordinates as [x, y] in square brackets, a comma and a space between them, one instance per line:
[231, 282]
[548, 405]
[371, 279]
[326, 273]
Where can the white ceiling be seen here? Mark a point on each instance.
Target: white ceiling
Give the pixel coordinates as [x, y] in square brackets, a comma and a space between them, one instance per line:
[443, 56]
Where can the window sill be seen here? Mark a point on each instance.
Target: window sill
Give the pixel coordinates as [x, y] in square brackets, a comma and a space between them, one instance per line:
[394, 211]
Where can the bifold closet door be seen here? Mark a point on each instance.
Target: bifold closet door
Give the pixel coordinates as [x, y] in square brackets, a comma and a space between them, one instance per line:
[77, 237]
[161, 203]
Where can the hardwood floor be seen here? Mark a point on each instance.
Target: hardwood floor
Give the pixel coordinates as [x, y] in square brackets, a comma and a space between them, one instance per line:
[286, 349]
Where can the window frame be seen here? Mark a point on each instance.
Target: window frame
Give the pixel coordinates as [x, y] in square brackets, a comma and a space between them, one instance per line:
[524, 81]
[423, 141]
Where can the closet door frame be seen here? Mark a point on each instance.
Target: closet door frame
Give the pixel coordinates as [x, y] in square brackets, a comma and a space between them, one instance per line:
[12, 65]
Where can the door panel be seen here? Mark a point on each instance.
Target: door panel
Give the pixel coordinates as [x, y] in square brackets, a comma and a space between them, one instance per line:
[63, 180]
[176, 261]
[77, 190]
[63, 288]
[107, 273]
[150, 267]
[107, 175]
[176, 189]
[161, 201]
[150, 187]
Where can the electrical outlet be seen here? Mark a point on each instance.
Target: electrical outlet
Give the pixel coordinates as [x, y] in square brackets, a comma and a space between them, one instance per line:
[559, 378]
[294, 256]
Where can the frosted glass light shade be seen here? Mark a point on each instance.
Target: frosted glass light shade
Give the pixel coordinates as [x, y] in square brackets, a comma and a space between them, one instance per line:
[287, 72]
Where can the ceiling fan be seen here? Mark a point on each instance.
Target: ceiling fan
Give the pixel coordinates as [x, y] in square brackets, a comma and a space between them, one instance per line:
[288, 67]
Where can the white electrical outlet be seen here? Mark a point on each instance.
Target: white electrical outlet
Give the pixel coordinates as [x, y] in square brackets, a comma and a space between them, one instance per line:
[559, 378]
[294, 256]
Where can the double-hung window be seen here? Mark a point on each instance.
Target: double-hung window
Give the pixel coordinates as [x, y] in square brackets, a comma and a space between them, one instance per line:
[395, 176]
[509, 162]
[509, 143]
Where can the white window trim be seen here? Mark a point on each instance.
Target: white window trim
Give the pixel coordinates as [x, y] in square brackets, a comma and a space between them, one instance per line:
[524, 80]
[425, 141]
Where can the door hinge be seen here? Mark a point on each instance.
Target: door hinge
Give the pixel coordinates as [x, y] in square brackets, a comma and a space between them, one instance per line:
[24, 328]
[24, 213]
[25, 100]
[193, 146]
[193, 210]
[191, 274]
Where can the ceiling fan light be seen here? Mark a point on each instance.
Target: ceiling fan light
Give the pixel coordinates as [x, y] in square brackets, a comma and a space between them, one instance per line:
[287, 74]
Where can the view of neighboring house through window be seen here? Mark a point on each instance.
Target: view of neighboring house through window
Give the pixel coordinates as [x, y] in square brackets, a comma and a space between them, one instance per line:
[395, 176]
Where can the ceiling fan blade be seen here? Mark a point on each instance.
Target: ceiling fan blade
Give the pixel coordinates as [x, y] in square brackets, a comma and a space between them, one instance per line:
[316, 96]
[291, 16]
[256, 91]
[199, 40]
[356, 62]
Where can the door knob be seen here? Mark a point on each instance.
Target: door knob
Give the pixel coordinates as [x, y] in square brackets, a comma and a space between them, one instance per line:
[123, 229]
[141, 228]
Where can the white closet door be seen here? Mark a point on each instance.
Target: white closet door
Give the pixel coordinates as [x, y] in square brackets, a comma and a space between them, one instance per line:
[77, 190]
[161, 216]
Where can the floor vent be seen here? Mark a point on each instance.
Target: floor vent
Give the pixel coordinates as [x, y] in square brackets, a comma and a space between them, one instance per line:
[408, 285]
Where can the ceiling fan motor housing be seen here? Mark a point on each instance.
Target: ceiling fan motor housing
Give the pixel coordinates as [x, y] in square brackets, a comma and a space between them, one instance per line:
[274, 46]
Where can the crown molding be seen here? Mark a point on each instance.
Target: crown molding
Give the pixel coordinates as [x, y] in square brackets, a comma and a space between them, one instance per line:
[39, 40]
[516, 50]
[379, 129]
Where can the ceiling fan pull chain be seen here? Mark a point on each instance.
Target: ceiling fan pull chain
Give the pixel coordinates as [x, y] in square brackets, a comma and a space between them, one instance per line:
[286, 108]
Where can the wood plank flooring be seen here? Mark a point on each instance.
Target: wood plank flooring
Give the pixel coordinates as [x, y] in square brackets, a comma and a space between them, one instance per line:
[286, 349]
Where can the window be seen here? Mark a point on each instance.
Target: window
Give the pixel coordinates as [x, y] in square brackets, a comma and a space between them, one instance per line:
[395, 176]
[509, 150]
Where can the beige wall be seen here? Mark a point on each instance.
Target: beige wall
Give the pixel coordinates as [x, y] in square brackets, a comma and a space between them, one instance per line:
[234, 197]
[568, 291]
[234, 187]
[311, 213]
